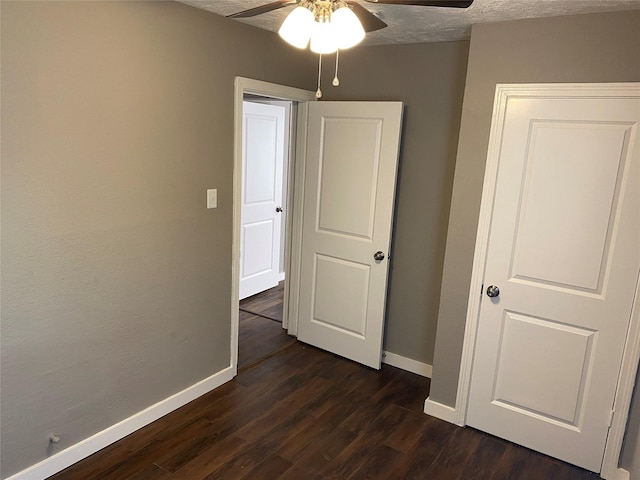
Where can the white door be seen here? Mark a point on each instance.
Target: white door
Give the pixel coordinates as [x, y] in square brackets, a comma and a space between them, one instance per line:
[350, 178]
[564, 251]
[262, 162]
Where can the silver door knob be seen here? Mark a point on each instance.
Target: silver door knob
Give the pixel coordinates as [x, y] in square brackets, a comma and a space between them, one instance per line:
[378, 256]
[493, 291]
[279, 209]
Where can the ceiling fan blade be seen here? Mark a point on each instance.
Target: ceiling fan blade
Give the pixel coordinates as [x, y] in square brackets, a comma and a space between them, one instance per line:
[369, 21]
[426, 3]
[268, 7]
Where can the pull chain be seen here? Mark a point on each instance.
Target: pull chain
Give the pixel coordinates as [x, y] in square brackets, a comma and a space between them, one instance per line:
[336, 82]
[319, 92]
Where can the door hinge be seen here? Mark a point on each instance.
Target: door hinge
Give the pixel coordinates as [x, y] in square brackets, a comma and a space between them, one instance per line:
[611, 417]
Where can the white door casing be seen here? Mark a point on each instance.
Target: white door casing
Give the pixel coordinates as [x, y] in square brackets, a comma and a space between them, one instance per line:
[564, 249]
[351, 166]
[262, 170]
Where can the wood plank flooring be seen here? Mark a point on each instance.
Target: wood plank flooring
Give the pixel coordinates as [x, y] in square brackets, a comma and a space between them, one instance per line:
[307, 414]
[259, 337]
[261, 333]
[303, 413]
[266, 304]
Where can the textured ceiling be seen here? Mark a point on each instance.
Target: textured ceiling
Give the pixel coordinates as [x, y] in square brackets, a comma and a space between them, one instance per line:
[410, 24]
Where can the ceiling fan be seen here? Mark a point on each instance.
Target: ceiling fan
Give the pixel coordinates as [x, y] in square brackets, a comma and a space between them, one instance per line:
[369, 21]
[329, 26]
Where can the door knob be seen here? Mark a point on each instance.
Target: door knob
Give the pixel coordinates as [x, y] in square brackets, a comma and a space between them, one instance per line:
[378, 256]
[493, 291]
[279, 209]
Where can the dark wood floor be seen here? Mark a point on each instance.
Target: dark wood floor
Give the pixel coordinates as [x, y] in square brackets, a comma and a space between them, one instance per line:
[267, 304]
[303, 413]
[261, 333]
[259, 337]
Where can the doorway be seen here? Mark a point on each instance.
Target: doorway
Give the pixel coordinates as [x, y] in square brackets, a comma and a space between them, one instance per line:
[264, 314]
[266, 147]
[356, 168]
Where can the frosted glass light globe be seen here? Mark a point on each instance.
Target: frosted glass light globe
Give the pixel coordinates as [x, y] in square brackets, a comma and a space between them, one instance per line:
[297, 27]
[323, 38]
[347, 28]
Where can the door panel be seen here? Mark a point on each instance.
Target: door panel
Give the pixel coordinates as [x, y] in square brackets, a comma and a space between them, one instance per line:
[258, 248]
[564, 250]
[349, 163]
[350, 177]
[347, 312]
[262, 163]
[578, 211]
[523, 353]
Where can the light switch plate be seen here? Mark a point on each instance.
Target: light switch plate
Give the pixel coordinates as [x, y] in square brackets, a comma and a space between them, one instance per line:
[212, 198]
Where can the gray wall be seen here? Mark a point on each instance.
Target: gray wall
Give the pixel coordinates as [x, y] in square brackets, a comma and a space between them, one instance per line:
[429, 79]
[585, 48]
[116, 117]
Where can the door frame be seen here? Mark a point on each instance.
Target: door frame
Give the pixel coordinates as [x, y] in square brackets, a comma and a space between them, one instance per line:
[293, 222]
[631, 355]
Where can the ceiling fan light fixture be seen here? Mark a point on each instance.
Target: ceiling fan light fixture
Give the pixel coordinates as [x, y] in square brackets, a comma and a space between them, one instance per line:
[347, 28]
[333, 25]
[323, 38]
[297, 28]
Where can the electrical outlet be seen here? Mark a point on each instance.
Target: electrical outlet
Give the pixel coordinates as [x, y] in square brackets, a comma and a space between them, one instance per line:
[212, 198]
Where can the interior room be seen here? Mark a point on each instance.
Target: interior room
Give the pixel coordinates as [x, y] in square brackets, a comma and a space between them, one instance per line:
[119, 287]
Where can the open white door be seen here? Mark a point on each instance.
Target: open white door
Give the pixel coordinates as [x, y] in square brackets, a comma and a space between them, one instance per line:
[350, 178]
[564, 251]
[262, 162]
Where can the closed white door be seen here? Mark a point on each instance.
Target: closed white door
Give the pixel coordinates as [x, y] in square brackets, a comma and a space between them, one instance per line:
[350, 178]
[564, 252]
[262, 162]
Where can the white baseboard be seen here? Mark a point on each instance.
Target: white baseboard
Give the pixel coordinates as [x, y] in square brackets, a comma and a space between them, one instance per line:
[439, 410]
[619, 474]
[407, 364]
[89, 446]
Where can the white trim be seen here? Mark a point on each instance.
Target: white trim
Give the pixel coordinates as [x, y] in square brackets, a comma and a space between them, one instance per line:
[407, 364]
[619, 474]
[482, 238]
[439, 410]
[624, 392]
[89, 446]
[631, 356]
[257, 87]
